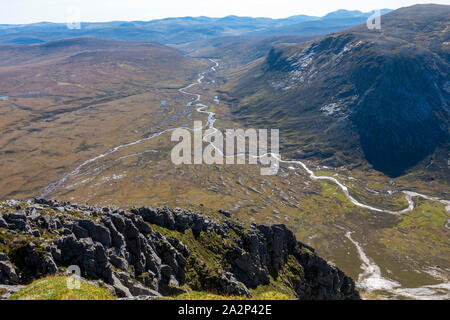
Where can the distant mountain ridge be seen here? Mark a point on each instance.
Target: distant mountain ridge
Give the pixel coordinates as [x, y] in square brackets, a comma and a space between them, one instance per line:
[182, 30]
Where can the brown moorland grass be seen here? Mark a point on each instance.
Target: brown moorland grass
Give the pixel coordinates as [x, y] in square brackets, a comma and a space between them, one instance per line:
[55, 288]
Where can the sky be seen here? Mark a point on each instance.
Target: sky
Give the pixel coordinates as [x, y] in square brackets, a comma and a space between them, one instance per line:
[30, 11]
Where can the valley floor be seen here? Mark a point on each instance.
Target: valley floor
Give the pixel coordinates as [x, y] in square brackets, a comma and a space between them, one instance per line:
[394, 242]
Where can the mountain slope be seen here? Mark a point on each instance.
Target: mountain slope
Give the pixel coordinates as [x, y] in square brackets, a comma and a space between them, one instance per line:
[359, 94]
[238, 50]
[334, 21]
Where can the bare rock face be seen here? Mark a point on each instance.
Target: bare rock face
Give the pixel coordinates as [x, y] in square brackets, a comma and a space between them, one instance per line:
[380, 98]
[150, 252]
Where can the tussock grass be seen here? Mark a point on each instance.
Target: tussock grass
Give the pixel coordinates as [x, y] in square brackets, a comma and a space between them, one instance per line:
[266, 296]
[55, 288]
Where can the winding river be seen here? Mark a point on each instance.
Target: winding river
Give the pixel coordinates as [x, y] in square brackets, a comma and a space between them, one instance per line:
[371, 279]
[202, 108]
[409, 195]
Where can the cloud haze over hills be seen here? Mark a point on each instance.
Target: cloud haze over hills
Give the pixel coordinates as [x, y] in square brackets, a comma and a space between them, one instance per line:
[182, 30]
[22, 11]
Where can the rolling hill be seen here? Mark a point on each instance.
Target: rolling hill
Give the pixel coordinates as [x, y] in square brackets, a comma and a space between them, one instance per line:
[183, 30]
[68, 98]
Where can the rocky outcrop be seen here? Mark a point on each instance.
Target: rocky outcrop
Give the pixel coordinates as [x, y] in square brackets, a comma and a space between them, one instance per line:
[150, 252]
[358, 96]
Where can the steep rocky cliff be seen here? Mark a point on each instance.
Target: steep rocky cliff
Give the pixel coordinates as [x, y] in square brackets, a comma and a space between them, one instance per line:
[359, 95]
[153, 252]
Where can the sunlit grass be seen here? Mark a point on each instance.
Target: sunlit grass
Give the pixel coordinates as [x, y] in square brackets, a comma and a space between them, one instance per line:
[55, 288]
[266, 296]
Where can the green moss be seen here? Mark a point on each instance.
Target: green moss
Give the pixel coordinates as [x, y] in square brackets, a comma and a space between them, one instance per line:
[429, 214]
[334, 193]
[207, 248]
[420, 232]
[276, 285]
[283, 283]
[199, 275]
[376, 185]
[293, 270]
[145, 276]
[204, 262]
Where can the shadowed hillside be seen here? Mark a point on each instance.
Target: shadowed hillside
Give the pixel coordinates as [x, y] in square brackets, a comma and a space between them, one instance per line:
[381, 96]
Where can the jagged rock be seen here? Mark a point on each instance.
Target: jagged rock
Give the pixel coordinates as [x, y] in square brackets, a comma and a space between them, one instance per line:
[47, 222]
[14, 203]
[172, 259]
[10, 217]
[80, 232]
[225, 213]
[65, 232]
[18, 220]
[55, 252]
[119, 222]
[91, 257]
[135, 288]
[35, 260]
[131, 232]
[118, 262]
[8, 273]
[31, 213]
[140, 224]
[97, 232]
[43, 202]
[117, 239]
[36, 233]
[123, 250]
[231, 286]
[281, 241]
[3, 223]
[121, 290]
[323, 280]
[179, 246]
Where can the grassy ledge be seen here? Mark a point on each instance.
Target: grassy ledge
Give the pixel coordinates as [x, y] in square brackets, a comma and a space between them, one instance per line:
[195, 295]
[55, 288]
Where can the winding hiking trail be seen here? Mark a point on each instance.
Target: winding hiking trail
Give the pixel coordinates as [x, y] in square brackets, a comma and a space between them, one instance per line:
[201, 108]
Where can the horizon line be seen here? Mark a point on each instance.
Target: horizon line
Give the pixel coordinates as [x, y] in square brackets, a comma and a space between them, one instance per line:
[198, 17]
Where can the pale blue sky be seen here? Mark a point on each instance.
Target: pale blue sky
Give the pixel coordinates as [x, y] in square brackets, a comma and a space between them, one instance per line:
[28, 11]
